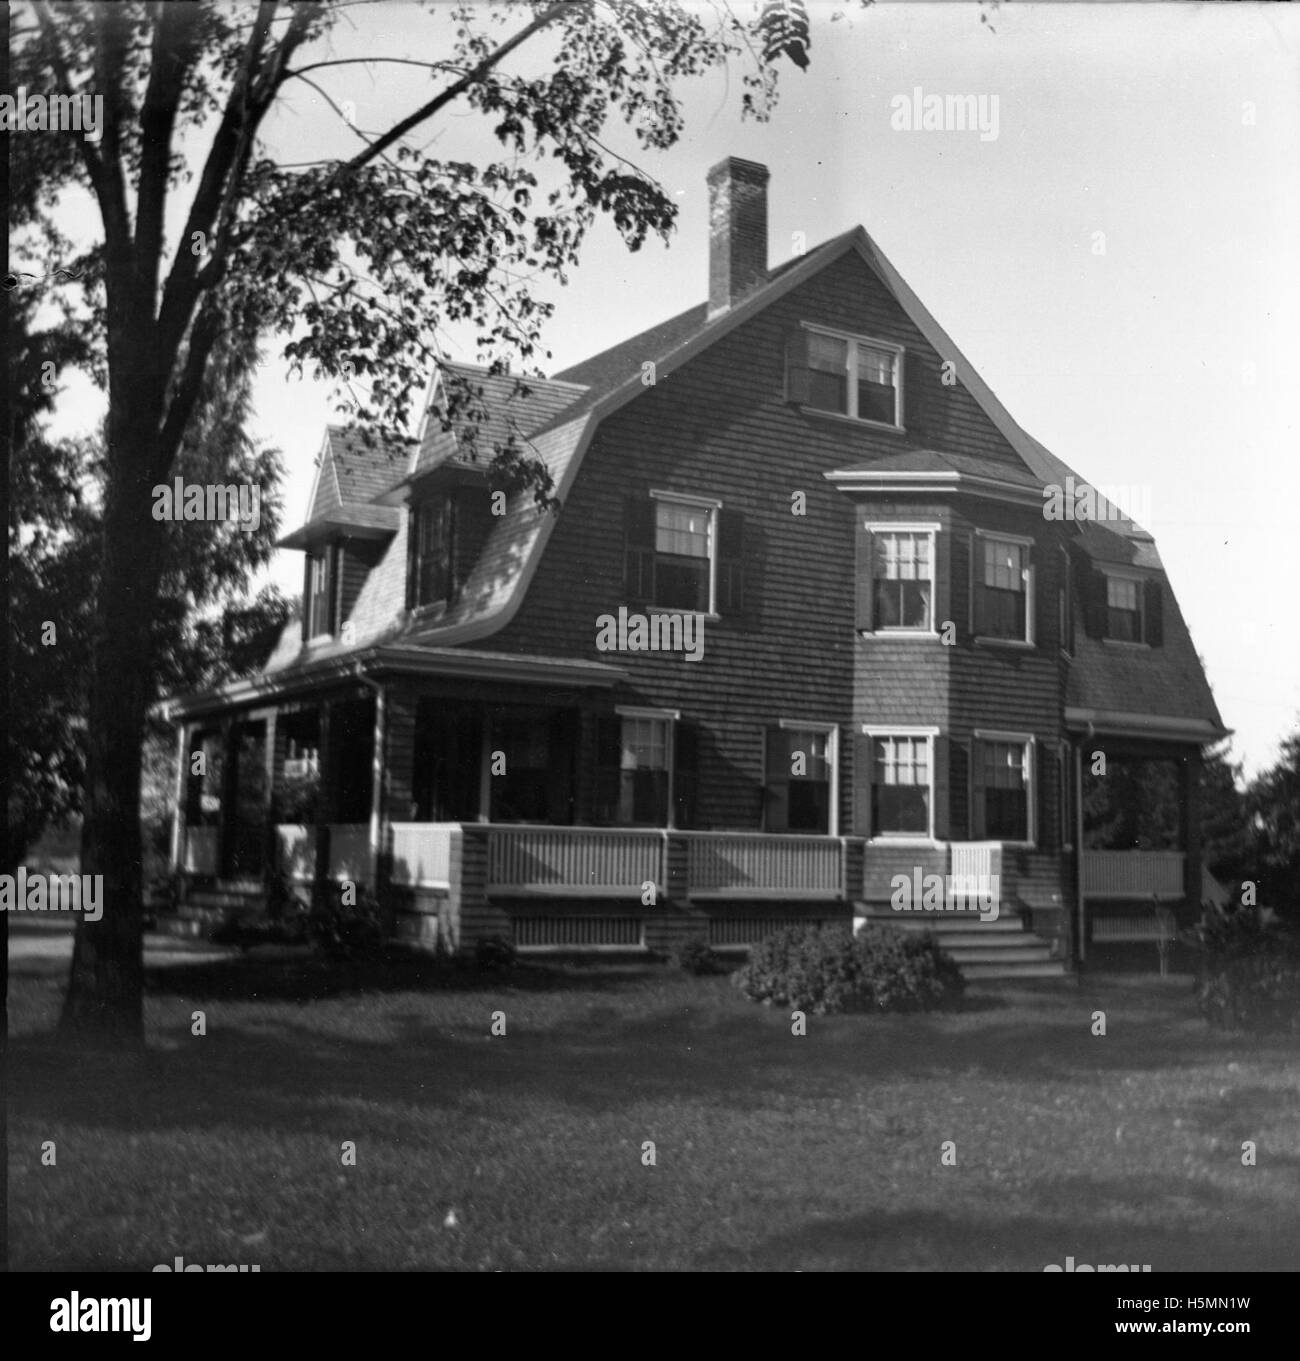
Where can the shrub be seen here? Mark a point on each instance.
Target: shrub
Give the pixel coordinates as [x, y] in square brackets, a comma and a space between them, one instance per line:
[1250, 972]
[347, 931]
[493, 953]
[695, 957]
[828, 969]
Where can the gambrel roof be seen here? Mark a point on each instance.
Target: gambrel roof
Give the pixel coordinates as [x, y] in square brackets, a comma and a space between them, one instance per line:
[556, 420]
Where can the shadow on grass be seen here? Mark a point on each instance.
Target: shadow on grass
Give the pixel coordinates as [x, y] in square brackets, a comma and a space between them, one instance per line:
[1232, 1238]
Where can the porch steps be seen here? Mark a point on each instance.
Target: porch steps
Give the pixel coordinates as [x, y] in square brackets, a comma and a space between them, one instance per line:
[1004, 948]
[206, 909]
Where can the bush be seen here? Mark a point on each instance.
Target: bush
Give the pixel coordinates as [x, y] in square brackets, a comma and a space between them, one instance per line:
[347, 931]
[828, 969]
[1250, 972]
[494, 953]
[695, 957]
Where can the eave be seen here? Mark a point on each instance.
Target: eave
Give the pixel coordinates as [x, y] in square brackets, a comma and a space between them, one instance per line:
[1114, 723]
[349, 521]
[855, 480]
[396, 660]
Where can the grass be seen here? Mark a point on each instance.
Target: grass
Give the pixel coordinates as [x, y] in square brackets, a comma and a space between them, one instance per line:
[772, 1151]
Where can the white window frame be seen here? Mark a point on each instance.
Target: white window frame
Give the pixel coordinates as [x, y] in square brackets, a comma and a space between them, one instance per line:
[1139, 582]
[832, 734]
[669, 717]
[1029, 744]
[977, 580]
[901, 838]
[929, 527]
[713, 506]
[898, 351]
[327, 557]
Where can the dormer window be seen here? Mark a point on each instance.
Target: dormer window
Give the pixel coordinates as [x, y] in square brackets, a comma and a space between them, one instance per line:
[318, 615]
[845, 375]
[1123, 609]
[433, 530]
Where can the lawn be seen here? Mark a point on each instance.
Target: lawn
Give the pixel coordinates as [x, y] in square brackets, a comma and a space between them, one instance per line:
[773, 1151]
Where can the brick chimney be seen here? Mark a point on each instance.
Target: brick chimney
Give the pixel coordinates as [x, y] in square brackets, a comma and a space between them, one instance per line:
[737, 231]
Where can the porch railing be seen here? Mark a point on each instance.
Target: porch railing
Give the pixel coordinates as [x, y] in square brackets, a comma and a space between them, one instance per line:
[349, 856]
[200, 850]
[574, 861]
[1133, 874]
[295, 847]
[422, 853]
[763, 865]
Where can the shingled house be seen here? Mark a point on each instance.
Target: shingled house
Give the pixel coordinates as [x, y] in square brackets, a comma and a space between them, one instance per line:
[803, 626]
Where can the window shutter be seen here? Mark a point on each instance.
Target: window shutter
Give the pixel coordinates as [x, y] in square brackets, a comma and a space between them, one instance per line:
[1094, 603]
[978, 805]
[798, 389]
[412, 566]
[776, 774]
[1154, 612]
[861, 784]
[334, 565]
[609, 756]
[686, 757]
[959, 790]
[453, 547]
[306, 595]
[731, 562]
[862, 574]
[1042, 828]
[976, 581]
[639, 550]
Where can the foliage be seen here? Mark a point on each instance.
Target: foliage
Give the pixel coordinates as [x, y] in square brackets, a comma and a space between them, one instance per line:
[494, 953]
[1225, 823]
[1250, 972]
[829, 969]
[347, 931]
[694, 957]
[1273, 807]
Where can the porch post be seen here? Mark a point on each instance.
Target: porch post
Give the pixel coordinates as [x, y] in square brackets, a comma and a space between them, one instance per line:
[270, 764]
[1081, 916]
[229, 790]
[324, 793]
[178, 810]
[377, 788]
[1191, 828]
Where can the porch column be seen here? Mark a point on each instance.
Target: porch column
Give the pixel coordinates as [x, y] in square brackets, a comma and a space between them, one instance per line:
[229, 789]
[377, 789]
[271, 764]
[178, 809]
[1191, 819]
[324, 800]
[1081, 917]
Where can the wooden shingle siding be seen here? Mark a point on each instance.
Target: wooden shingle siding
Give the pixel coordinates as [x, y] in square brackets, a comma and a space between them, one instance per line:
[720, 427]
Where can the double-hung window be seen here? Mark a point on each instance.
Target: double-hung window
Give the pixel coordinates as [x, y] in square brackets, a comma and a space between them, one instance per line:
[433, 528]
[320, 595]
[855, 377]
[1124, 609]
[799, 782]
[902, 578]
[1002, 782]
[1003, 588]
[902, 783]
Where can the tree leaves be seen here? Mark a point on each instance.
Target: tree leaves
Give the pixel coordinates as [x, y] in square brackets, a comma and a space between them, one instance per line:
[783, 27]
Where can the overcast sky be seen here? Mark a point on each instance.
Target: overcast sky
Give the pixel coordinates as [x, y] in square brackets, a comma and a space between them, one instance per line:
[1167, 363]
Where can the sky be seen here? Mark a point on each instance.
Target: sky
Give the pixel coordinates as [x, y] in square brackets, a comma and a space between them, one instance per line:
[1121, 262]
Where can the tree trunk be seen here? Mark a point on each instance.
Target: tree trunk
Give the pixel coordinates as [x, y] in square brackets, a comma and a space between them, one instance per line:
[104, 1004]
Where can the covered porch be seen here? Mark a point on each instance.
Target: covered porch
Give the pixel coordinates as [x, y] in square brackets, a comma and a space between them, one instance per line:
[1137, 834]
[539, 808]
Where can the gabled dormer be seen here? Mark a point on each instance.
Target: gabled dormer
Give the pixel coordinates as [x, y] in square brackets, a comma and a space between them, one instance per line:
[346, 534]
